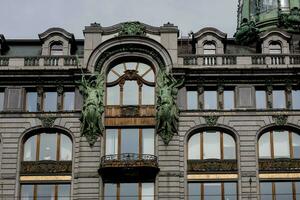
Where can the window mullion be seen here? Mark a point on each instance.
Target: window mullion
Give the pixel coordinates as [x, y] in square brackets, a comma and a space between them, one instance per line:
[221, 146]
[56, 192]
[272, 145]
[140, 191]
[58, 140]
[121, 93]
[140, 143]
[119, 141]
[118, 191]
[201, 146]
[222, 191]
[38, 141]
[35, 192]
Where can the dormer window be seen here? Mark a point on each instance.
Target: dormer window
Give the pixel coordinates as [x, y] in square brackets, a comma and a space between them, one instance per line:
[56, 49]
[275, 48]
[209, 48]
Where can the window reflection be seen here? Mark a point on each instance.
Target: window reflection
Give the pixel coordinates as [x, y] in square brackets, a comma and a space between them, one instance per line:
[50, 101]
[279, 190]
[113, 95]
[279, 99]
[261, 99]
[192, 100]
[45, 192]
[210, 100]
[69, 101]
[129, 141]
[31, 101]
[48, 146]
[214, 144]
[147, 95]
[296, 99]
[228, 99]
[130, 93]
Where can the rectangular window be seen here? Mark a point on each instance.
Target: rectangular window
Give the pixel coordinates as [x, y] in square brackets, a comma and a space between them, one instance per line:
[130, 93]
[284, 190]
[265, 146]
[261, 99]
[148, 95]
[45, 191]
[148, 141]
[110, 191]
[1, 101]
[266, 191]
[48, 146]
[296, 99]
[69, 101]
[113, 95]
[192, 100]
[279, 99]
[281, 144]
[111, 141]
[211, 146]
[50, 102]
[30, 149]
[130, 140]
[228, 99]
[230, 191]
[194, 190]
[194, 147]
[210, 100]
[129, 191]
[31, 101]
[212, 191]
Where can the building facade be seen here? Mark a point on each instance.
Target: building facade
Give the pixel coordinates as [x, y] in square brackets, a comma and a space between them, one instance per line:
[134, 112]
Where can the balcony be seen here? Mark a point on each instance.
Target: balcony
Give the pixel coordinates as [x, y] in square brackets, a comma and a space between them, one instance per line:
[239, 61]
[128, 166]
[39, 62]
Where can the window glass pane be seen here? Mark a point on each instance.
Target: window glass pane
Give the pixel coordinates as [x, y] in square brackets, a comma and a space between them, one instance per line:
[113, 95]
[212, 191]
[65, 147]
[147, 191]
[64, 192]
[26, 192]
[279, 99]
[296, 145]
[149, 76]
[228, 100]
[110, 191]
[261, 100]
[210, 100]
[264, 146]
[1, 100]
[30, 149]
[194, 191]
[192, 100]
[265, 191]
[148, 141]
[31, 101]
[211, 145]
[130, 140]
[281, 144]
[284, 190]
[147, 95]
[47, 146]
[69, 99]
[194, 147]
[45, 192]
[112, 76]
[296, 99]
[230, 192]
[229, 147]
[129, 191]
[119, 69]
[50, 101]
[111, 141]
[143, 68]
[131, 65]
[130, 93]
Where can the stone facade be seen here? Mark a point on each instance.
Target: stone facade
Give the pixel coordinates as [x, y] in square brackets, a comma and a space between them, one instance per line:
[242, 69]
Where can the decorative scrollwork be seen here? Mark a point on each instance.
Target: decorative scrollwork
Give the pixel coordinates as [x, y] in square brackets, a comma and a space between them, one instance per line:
[277, 165]
[45, 167]
[132, 28]
[212, 165]
[211, 120]
[280, 120]
[47, 121]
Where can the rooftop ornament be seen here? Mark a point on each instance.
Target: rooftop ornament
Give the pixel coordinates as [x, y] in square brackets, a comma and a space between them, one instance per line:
[132, 29]
[247, 32]
[167, 115]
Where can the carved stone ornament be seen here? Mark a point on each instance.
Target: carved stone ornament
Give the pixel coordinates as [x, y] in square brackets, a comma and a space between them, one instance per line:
[132, 28]
[278, 165]
[212, 165]
[93, 107]
[167, 115]
[47, 121]
[46, 167]
[280, 120]
[211, 120]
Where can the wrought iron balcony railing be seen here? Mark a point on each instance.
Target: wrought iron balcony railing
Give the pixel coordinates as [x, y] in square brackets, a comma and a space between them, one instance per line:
[128, 166]
[279, 165]
[212, 165]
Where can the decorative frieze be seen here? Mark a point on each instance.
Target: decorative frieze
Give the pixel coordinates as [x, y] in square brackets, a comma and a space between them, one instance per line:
[46, 167]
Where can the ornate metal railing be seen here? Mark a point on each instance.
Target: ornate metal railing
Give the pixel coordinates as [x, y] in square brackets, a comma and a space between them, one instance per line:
[129, 160]
[45, 167]
[279, 165]
[212, 165]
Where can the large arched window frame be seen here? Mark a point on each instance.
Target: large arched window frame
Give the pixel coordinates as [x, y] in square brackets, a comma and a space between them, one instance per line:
[46, 147]
[130, 83]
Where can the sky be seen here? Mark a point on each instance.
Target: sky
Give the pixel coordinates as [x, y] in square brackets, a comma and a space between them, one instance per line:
[28, 18]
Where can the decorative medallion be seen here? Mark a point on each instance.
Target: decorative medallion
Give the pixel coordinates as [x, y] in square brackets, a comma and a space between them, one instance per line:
[211, 120]
[132, 28]
[280, 120]
[47, 121]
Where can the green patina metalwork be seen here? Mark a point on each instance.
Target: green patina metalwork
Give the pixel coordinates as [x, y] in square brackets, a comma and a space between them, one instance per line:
[93, 107]
[247, 33]
[167, 114]
[132, 28]
[290, 21]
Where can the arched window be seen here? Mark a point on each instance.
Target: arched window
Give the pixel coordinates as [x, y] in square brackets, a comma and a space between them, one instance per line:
[46, 166]
[211, 145]
[209, 48]
[130, 83]
[47, 146]
[56, 49]
[275, 48]
[279, 144]
[208, 152]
